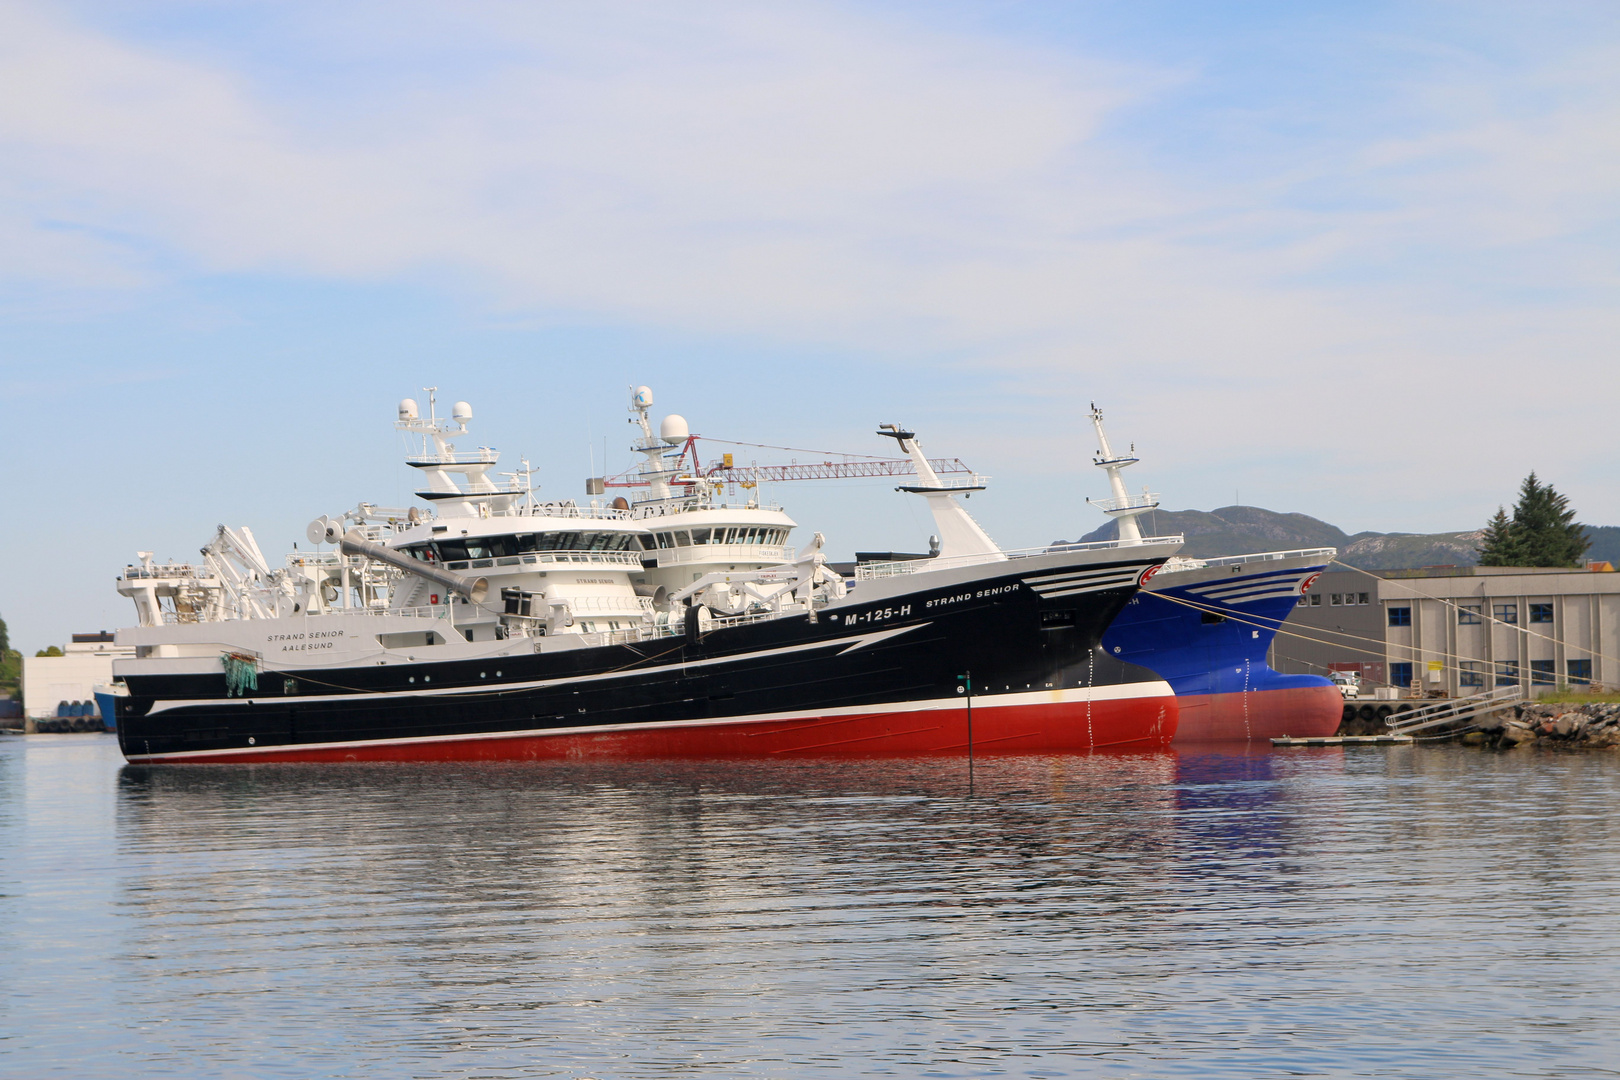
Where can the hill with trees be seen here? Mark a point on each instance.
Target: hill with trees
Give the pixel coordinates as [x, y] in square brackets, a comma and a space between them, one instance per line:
[1243, 530]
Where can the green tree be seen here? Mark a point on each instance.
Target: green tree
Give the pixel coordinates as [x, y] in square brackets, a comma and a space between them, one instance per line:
[1542, 532]
[52, 651]
[1500, 546]
[10, 663]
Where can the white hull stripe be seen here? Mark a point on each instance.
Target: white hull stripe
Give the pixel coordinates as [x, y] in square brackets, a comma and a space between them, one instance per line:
[1035, 581]
[1266, 593]
[1075, 590]
[1073, 584]
[1021, 699]
[1284, 579]
[849, 645]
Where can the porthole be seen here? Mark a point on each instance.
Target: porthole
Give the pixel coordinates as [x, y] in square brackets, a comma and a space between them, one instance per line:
[413, 678]
[497, 674]
[483, 675]
[427, 678]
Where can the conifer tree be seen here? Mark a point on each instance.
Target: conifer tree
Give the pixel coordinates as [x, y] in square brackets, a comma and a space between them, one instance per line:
[1543, 531]
[1499, 546]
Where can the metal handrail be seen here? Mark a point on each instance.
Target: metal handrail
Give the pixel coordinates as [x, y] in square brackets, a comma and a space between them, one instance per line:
[1445, 712]
[1129, 502]
[868, 571]
[1271, 556]
[484, 455]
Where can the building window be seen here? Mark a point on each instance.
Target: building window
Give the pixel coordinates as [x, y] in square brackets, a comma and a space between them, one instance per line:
[1469, 615]
[1541, 613]
[1400, 616]
[1471, 673]
[1316, 601]
[1365, 599]
[1508, 613]
[1507, 673]
[1400, 675]
[1580, 671]
[1541, 672]
[1338, 598]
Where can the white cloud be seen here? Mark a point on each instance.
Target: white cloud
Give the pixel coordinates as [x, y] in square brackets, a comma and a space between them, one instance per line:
[813, 174]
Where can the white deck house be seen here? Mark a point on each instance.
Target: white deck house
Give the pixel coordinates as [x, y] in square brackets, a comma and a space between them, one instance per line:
[47, 681]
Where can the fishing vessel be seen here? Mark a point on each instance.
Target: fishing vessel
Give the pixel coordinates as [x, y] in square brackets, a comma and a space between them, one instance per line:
[489, 624]
[1206, 626]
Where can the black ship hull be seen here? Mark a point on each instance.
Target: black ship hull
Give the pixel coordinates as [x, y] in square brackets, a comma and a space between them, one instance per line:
[1007, 656]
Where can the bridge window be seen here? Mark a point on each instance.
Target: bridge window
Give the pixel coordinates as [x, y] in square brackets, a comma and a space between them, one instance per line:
[648, 543]
[701, 536]
[666, 540]
[683, 538]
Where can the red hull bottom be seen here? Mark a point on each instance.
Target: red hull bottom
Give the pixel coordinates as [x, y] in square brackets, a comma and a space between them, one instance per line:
[1302, 712]
[1022, 728]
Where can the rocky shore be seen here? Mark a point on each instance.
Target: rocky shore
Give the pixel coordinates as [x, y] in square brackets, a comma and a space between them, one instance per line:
[1596, 725]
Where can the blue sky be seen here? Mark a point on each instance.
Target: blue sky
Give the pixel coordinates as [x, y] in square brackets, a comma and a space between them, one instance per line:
[1354, 260]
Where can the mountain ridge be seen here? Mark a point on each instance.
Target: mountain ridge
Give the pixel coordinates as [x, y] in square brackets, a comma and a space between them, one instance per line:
[1244, 530]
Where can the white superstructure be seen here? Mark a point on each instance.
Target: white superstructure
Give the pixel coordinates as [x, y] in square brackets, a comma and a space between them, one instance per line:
[549, 574]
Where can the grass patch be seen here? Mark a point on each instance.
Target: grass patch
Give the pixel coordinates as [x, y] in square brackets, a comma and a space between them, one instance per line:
[1566, 696]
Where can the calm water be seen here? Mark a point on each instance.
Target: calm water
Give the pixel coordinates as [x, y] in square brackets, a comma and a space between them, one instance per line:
[1382, 911]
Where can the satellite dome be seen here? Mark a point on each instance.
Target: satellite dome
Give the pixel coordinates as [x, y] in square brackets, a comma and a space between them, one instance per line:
[673, 430]
[407, 409]
[461, 412]
[641, 398]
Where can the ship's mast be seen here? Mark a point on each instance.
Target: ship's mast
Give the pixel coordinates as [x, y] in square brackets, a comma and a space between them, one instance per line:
[661, 465]
[440, 463]
[1122, 507]
[960, 536]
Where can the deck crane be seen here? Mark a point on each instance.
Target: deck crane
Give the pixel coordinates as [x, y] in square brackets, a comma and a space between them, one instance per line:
[724, 469]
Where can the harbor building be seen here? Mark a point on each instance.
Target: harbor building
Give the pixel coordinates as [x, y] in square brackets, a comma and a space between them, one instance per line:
[47, 681]
[1459, 630]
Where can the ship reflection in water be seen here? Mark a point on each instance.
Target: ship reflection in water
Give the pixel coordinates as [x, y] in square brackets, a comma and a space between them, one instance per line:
[1225, 912]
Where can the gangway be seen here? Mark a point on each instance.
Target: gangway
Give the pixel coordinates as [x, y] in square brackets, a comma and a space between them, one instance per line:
[1450, 712]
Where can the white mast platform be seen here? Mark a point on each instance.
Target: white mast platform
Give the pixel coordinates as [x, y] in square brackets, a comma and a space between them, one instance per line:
[1123, 507]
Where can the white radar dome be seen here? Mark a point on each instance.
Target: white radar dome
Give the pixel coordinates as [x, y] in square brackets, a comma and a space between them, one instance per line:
[673, 430]
[407, 409]
[642, 398]
[461, 412]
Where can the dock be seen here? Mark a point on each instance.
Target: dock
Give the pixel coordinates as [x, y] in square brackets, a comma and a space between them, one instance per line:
[1342, 740]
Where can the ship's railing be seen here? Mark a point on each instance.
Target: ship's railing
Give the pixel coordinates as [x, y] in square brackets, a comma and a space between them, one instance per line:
[626, 605]
[484, 455]
[629, 559]
[683, 504]
[159, 571]
[1324, 554]
[704, 553]
[869, 571]
[570, 509]
[1129, 502]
